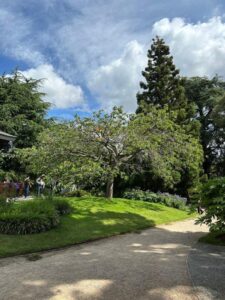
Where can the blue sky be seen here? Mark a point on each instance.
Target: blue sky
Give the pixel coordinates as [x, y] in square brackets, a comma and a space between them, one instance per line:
[91, 52]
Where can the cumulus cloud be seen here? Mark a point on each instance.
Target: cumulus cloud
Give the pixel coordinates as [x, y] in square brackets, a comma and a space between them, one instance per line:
[103, 45]
[17, 39]
[117, 83]
[198, 49]
[58, 92]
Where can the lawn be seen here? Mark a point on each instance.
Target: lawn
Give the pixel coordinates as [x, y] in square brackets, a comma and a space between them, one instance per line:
[92, 218]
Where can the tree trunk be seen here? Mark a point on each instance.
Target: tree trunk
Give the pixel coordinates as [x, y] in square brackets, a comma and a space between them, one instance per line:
[109, 188]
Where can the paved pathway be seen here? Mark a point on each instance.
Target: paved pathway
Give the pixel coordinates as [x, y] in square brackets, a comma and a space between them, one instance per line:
[149, 265]
[207, 268]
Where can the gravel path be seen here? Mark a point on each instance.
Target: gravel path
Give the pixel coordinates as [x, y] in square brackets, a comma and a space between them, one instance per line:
[150, 265]
[207, 268]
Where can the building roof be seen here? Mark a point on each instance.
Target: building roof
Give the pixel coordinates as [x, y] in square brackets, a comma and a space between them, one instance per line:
[6, 136]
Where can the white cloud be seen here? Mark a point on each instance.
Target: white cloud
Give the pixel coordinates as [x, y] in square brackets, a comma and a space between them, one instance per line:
[117, 82]
[17, 39]
[198, 49]
[93, 43]
[58, 92]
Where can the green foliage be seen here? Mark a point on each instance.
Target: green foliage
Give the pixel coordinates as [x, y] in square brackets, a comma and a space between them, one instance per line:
[93, 218]
[22, 110]
[213, 188]
[5, 204]
[22, 113]
[77, 193]
[208, 97]
[163, 89]
[94, 151]
[213, 200]
[141, 195]
[9, 175]
[62, 206]
[28, 217]
[167, 199]
[163, 85]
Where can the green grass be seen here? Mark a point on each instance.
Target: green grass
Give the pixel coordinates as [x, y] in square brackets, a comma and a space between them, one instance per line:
[92, 218]
[213, 238]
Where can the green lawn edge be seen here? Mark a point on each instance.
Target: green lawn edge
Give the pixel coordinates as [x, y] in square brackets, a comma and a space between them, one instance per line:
[93, 219]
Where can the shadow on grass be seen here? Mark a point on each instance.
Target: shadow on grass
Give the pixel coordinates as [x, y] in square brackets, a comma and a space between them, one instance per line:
[76, 228]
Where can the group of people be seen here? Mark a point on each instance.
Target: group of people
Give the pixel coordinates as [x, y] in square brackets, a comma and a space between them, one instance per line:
[40, 183]
[14, 188]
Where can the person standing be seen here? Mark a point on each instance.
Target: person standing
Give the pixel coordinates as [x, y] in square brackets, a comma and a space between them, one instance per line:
[27, 185]
[17, 188]
[40, 185]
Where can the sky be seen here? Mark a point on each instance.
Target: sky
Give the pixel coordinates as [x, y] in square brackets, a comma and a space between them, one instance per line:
[90, 53]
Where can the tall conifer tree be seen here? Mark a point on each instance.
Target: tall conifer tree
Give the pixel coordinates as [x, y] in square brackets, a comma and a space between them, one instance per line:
[163, 85]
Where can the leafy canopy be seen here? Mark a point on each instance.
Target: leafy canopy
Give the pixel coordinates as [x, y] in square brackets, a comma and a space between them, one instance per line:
[208, 96]
[107, 145]
[22, 110]
[213, 200]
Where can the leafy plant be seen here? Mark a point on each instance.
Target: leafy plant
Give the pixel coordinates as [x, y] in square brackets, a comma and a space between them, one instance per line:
[4, 203]
[28, 217]
[78, 193]
[213, 200]
[62, 206]
[167, 199]
[94, 151]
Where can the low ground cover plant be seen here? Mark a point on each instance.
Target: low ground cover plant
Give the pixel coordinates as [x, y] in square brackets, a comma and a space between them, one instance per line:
[167, 199]
[62, 206]
[77, 193]
[32, 216]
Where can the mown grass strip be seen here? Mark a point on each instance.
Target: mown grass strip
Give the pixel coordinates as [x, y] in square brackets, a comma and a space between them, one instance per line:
[92, 218]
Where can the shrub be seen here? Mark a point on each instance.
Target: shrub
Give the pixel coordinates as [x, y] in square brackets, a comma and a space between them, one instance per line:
[4, 204]
[167, 199]
[174, 201]
[141, 195]
[77, 193]
[213, 200]
[62, 206]
[28, 217]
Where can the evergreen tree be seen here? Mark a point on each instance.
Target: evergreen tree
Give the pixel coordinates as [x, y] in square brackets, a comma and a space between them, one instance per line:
[22, 113]
[22, 109]
[163, 85]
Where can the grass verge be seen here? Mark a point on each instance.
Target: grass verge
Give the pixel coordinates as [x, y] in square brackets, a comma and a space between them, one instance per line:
[215, 238]
[92, 218]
